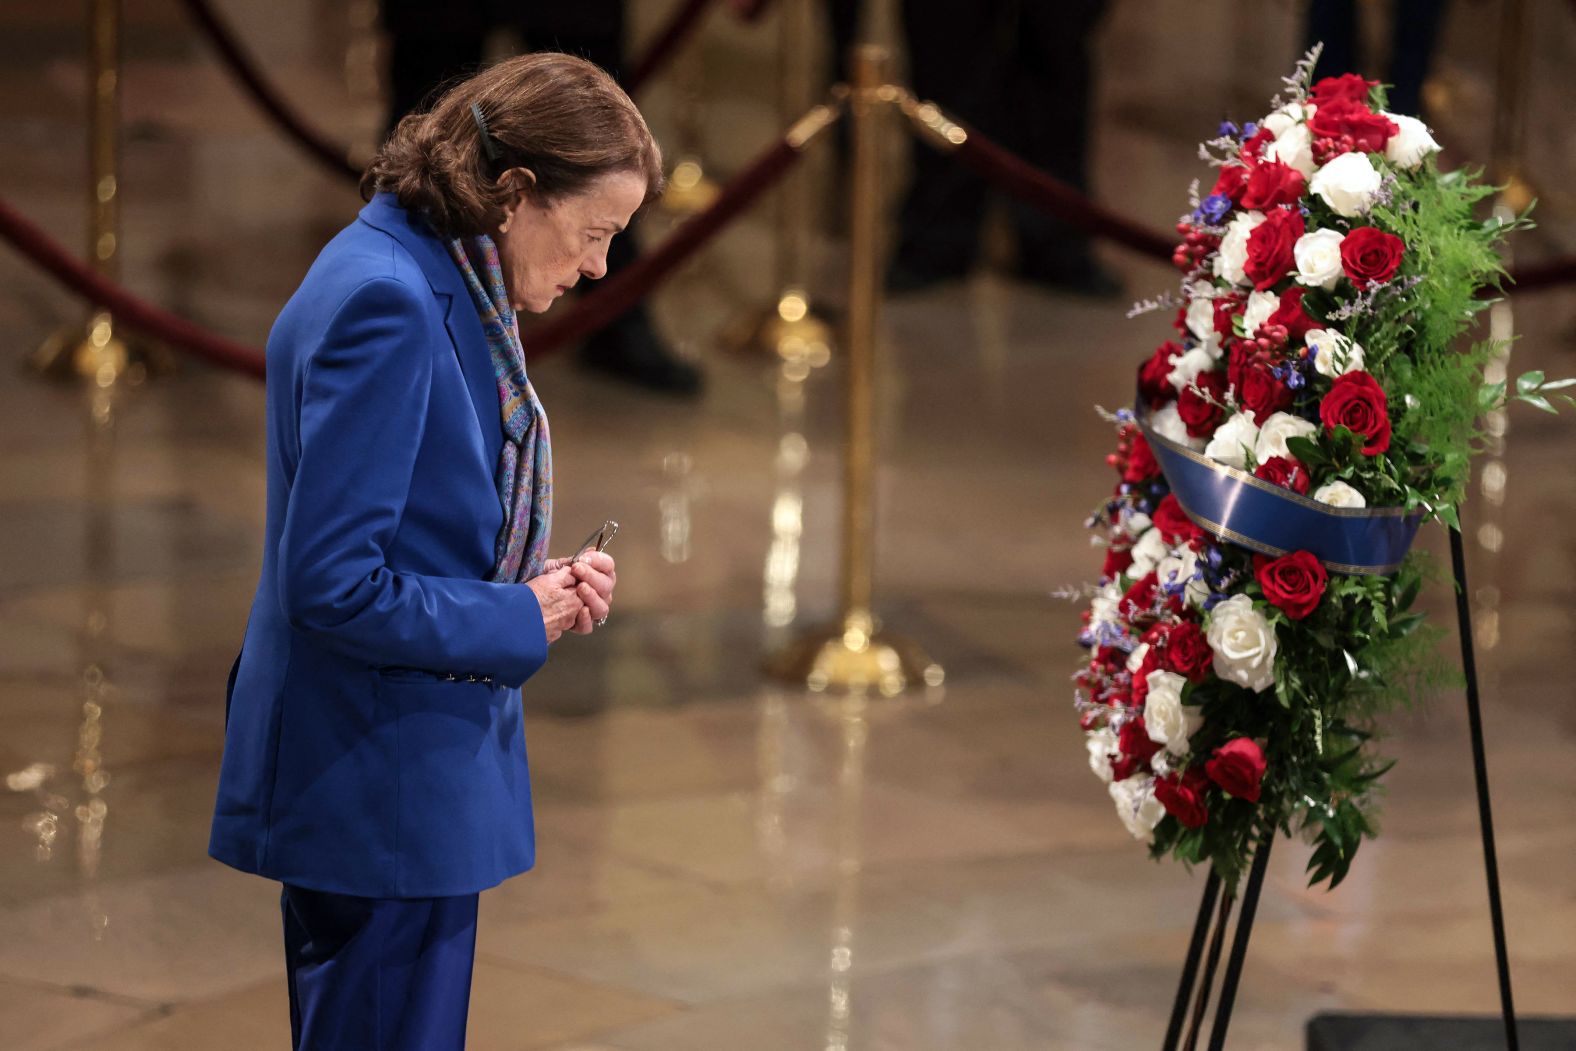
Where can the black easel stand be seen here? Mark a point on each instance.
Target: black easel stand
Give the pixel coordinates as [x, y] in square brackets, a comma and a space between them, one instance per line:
[1255, 881]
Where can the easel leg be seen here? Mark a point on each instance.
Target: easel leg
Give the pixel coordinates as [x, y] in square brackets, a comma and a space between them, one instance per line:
[1496, 909]
[1239, 944]
[1195, 950]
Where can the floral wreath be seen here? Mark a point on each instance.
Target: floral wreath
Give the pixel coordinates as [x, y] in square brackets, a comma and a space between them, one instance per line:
[1254, 611]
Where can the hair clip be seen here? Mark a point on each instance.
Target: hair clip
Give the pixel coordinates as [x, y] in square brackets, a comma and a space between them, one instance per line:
[489, 144]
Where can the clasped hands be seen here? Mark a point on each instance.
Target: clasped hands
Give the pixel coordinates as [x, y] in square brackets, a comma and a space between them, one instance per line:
[575, 596]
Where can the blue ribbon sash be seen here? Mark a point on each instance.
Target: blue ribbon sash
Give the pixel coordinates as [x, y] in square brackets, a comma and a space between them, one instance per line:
[1261, 516]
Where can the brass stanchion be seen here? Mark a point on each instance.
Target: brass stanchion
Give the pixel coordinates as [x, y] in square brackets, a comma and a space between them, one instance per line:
[789, 327]
[690, 189]
[854, 654]
[96, 351]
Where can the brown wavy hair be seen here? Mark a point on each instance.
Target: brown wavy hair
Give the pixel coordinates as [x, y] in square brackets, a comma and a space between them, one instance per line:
[559, 116]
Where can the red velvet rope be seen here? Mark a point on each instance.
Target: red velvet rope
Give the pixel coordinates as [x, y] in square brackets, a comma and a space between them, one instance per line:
[1050, 194]
[332, 155]
[666, 43]
[590, 313]
[1020, 178]
[336, 156]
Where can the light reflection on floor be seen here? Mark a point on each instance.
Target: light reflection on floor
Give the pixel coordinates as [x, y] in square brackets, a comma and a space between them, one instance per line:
[725, 863]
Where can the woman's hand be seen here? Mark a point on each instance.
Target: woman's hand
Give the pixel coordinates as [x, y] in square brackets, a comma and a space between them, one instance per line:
[558, 595]
[596, 575]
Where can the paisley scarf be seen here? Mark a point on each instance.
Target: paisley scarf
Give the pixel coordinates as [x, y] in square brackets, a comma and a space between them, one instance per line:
[525, 463]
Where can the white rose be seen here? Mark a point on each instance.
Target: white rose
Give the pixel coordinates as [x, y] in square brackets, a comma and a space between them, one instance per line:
[1318, 256]
[1166, 719]
[1332, 353]
[1147, 553]
[1186, 366]
[1233, 440]
[1137, 806]
[1339, 494]
[1347, 184]
[1104, 607]
[1101, 743]
[1244, 644]
[1233, 253]
[1407, 147]
[1201, 316]
[1181, 567]
[1135, 522]
[1258, 309]
[1286, 117]
[1135, 660]
[1272, 436]
[1160, 763]
[1293, 148]
[1167, 423]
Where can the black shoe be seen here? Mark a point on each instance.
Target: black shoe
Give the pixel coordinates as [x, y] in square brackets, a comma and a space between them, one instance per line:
[1080, 277]
[629, 351]
[910, 276]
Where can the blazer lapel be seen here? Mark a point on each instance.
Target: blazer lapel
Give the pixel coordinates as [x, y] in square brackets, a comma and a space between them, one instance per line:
[465, 328]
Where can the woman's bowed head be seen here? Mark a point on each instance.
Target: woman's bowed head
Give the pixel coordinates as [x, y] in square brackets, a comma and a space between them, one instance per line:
[552, 164]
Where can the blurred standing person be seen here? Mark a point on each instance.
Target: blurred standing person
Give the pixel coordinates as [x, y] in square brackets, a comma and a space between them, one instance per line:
[433, 43]
[1020, 71]
[1414, 32]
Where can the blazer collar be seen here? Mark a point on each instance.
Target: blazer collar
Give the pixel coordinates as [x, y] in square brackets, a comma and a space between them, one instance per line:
[384, 213]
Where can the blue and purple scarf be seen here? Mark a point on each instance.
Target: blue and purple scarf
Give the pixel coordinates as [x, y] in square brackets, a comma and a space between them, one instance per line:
[525, 464]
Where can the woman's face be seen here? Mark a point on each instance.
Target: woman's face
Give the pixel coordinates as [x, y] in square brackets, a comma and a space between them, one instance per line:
[545, 249]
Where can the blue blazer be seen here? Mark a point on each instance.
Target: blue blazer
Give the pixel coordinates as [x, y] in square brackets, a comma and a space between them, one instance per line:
[353, 763]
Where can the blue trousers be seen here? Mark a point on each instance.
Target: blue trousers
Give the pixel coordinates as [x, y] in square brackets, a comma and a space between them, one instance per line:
[378, 974]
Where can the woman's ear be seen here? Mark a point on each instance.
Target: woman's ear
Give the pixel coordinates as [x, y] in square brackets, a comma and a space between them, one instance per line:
[521, 186]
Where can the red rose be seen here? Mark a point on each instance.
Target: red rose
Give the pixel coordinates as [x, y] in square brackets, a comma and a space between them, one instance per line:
[1154, 384]
[1238, 768]
[1294, 582]
[1291, 315]
[1139, 691]
[1227, 307]
[1141, 462]
[1346, 118]
[1134, 749]
[1183, 797]
[1357, 402]
[1139, 601]
[1253, 146]
[1187, 652]
[1232, 179]
[1199, 403]
[1345, 86]
[1284, 471]
[1272, 183]
[1174, 524]
[1262, 394]
[1117, 559]
[1270, 247]
[1370, 256]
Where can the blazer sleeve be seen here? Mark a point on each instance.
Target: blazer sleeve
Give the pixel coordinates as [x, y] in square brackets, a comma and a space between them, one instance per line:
[363, 409]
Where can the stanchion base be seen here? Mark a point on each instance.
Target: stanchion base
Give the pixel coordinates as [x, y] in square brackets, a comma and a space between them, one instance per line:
[788, 329]
[1353, 1032]
[690, 190]
[96, 352]
[855, 656]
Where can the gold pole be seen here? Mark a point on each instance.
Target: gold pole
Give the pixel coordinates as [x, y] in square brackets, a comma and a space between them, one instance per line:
[855, 654]
[1509, 108]
[96, 351]
[789, 327]
[690, 189]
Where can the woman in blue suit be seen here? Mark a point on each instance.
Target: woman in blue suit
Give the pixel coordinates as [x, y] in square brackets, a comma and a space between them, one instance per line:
[374, 758]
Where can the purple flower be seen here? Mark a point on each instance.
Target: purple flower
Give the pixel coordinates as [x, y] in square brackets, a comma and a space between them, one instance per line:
[1214, 208]
[1228, 128]
[1249, 130]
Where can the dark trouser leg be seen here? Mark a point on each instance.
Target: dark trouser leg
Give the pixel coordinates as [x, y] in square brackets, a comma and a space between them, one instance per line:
[378, 974]
[1333, 23]
[948, 49]
[1414, 32]
[629, 348]
[428, 46]
[1052, 94]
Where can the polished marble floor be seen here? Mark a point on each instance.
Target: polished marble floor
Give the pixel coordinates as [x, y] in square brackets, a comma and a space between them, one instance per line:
[725, 864]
